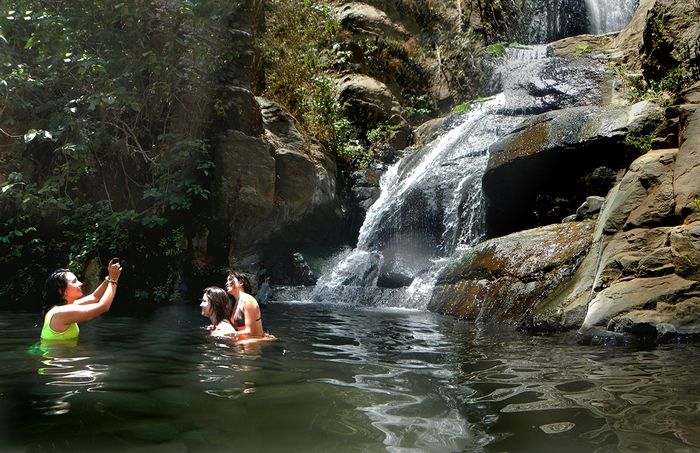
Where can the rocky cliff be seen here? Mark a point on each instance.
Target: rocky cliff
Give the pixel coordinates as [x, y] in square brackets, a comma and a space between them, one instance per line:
[637, 270]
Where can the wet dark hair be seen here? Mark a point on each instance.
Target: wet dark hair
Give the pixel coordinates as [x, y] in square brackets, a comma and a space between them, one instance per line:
[219, 302]
[243, 279]
[54, 288]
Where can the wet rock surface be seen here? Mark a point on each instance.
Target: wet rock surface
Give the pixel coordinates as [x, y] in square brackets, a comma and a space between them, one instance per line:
[507, 278]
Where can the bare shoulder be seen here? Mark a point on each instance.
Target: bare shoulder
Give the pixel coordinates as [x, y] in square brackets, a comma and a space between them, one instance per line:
[223, 330]
[250, 301]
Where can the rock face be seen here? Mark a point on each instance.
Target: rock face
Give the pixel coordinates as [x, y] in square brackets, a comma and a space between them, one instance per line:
[639, 271]
[368, 21]
[530, 21]
[507, 278]
[642, 275]
[270, 185]
[541, 172]
[369, 102]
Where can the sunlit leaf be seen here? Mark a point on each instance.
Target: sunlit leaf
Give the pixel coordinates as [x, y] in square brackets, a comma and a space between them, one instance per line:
[30, 135]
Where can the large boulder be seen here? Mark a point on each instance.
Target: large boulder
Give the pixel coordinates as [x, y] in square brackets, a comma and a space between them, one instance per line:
[686, 178]
[281, 128]
[624, 295]
[667, 320]
[369, 102]
[647, 247]
[245, 195]
[644, 197]
[268, 187]
[545, 169]
[368, 21]
[671, 38]
[507, 278]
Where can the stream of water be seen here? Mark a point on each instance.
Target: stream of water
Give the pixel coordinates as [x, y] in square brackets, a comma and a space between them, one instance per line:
[339, 379]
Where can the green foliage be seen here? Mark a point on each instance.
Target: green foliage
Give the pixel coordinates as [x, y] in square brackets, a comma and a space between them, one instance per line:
[640, 142]
[91, 94]
[399, 60]
[466, 106]
[298, 46]
[696, 202]
[496, 50]
[673, 81]
[460, 54]
[662, 91]
[462, 108]
[417, 106]
[299, 49]
[583, 48]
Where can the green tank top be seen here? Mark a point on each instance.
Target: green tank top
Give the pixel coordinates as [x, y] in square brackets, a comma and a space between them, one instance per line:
[47, 333]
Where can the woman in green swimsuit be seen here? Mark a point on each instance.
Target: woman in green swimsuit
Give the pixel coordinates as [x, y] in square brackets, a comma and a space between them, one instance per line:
[65, 306]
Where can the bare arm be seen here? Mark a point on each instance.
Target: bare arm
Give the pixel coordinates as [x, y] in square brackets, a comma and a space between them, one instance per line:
[100, 290]
[65, 315]
[68, 314]
[95, 296]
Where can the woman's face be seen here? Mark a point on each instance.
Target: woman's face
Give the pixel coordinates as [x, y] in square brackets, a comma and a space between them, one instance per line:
[74, 288]
[232, 285]
[205, 306]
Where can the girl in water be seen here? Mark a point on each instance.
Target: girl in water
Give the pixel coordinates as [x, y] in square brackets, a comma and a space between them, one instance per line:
[64, 305]
[245, 317]
[217, 307]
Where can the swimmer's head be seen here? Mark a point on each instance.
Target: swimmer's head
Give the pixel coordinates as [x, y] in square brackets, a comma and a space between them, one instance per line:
[216, 304]
[237, 280]
[55, 287]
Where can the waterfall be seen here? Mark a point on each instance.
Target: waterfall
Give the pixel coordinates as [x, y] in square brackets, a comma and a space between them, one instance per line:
[606, 16]
[430, 203]
[431, 207]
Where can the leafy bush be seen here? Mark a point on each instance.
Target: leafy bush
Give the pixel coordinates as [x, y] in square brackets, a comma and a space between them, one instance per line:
[496, 50]
[98, 127]
[640, 142]
[297, 47]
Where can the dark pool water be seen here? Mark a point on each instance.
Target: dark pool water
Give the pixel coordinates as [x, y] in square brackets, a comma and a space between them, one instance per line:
[339, 379]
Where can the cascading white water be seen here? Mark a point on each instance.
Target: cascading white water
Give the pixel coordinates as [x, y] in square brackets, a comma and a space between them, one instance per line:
[431, 204]
[607, 16]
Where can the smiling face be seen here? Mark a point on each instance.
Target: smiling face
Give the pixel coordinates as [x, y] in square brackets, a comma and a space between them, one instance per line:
[233, 286]
[74, 288]
[215, 304]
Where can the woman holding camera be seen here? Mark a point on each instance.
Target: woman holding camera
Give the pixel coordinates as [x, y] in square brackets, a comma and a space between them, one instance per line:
[65, 306]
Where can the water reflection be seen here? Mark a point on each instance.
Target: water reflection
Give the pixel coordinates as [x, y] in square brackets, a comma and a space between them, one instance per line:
[342, 378]
[227, 366]
[70, 367]
[537, 394]
[395, 370]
